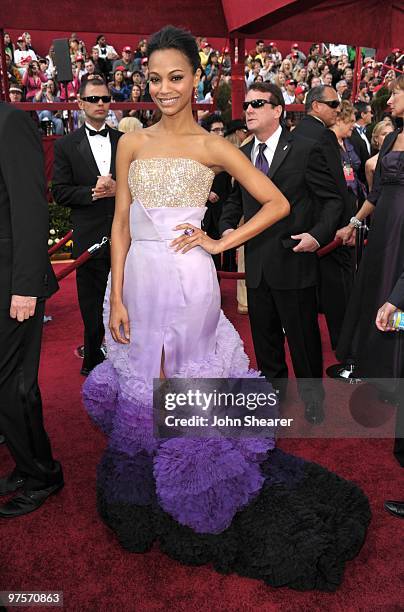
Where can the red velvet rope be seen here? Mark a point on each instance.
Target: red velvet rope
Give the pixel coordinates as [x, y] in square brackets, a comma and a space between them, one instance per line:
[82, 259]
[75, 264]
[320, 253]
[221, 273]
[61, 243]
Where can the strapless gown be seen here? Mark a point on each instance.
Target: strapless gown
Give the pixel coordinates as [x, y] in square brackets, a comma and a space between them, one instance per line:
[242, 505]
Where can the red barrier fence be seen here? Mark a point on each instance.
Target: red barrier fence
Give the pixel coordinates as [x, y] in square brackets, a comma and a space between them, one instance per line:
[62, 242]
[82, 259]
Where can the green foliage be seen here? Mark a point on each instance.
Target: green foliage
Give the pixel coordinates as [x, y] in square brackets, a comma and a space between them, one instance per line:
[59, 224]
[224, 101]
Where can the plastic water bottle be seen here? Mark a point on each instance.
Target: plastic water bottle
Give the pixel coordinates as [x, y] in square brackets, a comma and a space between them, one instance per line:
[397, 320]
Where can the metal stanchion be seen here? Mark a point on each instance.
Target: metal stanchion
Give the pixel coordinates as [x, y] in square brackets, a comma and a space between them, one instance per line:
[361, 234]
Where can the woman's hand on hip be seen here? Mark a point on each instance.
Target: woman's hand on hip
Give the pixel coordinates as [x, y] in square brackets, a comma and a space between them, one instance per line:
[194, 236]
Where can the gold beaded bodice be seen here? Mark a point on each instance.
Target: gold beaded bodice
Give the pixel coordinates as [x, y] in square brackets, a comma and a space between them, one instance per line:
[175, 182]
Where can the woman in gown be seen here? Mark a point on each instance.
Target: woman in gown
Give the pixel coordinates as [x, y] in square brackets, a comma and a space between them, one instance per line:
[241, 505]
[379, 287]
[379, 355]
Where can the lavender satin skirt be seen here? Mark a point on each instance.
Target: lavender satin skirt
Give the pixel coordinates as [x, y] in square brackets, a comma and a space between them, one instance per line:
[173, 301]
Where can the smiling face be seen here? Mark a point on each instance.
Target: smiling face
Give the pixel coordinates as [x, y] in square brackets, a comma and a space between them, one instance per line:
[172, 80]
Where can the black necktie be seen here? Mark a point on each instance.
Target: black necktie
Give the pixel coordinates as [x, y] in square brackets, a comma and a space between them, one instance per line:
[103, 132]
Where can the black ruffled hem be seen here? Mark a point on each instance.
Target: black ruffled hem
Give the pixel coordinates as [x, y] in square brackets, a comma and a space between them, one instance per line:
[299, 532]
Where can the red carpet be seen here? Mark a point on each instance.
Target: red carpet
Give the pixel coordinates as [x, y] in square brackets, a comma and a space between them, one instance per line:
[64, 546]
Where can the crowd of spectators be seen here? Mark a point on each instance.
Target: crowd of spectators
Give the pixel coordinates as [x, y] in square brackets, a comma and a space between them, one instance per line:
[34, 79]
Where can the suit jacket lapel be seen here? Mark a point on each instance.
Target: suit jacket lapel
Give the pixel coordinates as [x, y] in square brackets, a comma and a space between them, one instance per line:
[247, 148]
[84, 148]
[281, 151]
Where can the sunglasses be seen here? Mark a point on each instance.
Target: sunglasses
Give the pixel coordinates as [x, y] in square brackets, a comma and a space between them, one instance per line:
[330, 103]
[257, 103]
[96, 99]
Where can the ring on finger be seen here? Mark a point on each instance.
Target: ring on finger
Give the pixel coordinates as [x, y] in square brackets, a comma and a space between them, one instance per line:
[189, 231]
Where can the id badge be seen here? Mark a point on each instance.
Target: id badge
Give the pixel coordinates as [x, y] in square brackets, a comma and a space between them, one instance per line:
[349, 173]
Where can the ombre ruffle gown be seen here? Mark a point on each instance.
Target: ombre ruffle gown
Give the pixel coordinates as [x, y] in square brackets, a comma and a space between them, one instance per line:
[241, 505]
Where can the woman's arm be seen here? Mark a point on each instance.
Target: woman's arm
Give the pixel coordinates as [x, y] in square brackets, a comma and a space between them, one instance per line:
[120, 233]
[120, 240]
[274, 205]
[370, 170]
[25, 77]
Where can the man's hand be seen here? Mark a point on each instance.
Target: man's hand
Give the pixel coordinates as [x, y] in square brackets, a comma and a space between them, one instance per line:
[213, 197]
[384, 315]
[307, 243]
[347, 235]
[105, 188]
[22, 307]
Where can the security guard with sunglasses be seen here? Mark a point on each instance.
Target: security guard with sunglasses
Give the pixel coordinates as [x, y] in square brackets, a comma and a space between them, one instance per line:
[280, 263]
[337, 268]
[84, 180]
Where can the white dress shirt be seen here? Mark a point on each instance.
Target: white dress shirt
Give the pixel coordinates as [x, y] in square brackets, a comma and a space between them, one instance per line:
[271, 143]
[289, 98]
[101, 149]
[363, 136]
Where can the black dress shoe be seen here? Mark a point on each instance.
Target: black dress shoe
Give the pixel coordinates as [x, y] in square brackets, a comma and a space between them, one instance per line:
[314, 412]
[12, 482]
[79, 352]
[28, 501]
[396, 508]
[85, 371]
[2, 439]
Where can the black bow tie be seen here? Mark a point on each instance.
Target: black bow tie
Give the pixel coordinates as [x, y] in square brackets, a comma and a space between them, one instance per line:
[103, 132]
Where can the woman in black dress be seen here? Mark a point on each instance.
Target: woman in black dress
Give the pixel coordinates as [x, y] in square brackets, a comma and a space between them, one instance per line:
[379, 288]
[381, 273]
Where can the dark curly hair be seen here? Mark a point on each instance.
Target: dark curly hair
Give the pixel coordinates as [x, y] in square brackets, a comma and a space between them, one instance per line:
[171, 37]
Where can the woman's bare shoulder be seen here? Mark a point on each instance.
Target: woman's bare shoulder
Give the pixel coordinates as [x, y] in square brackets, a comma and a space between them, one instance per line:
[132, 142]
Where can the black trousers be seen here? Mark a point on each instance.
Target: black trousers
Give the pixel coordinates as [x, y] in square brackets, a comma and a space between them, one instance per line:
[337, 271]
[91, 280]
[21, 418]
[294, 310]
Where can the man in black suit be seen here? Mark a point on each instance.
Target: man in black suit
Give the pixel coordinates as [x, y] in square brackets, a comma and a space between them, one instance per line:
[280, 263]
[26, 280]
[219, 192]
[84, 180]
[359, 138]
[336, 268]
